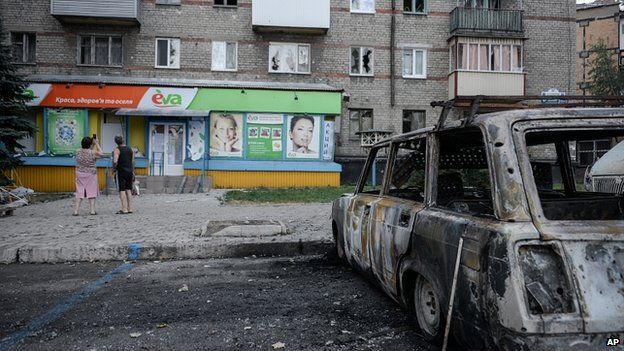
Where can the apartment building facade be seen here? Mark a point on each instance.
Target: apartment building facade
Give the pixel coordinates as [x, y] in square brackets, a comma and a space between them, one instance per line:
[255, 66]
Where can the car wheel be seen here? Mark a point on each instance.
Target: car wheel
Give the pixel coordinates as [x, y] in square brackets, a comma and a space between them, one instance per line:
[428, 309]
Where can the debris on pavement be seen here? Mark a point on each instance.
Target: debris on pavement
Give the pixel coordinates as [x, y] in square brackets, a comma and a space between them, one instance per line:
[278, 345]
[135, 334]
[184, 288]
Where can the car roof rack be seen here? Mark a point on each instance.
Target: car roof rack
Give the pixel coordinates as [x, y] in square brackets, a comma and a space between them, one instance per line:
[501, 103]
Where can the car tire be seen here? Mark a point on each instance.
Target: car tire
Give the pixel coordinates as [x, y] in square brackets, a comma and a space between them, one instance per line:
[428, 309]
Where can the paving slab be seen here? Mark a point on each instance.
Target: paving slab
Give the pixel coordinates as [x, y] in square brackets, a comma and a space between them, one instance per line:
[163, 226]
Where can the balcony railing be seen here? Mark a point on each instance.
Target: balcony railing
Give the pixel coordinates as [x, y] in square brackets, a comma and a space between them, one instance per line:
[96, 11]
[486, 21]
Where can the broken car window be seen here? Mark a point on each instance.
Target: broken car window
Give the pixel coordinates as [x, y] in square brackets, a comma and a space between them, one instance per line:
[408, 171]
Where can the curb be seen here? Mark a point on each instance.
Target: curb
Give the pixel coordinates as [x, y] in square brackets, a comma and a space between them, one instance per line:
[35, 254]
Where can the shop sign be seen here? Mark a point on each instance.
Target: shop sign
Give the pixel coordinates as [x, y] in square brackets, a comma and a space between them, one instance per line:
[66, 128]
[37, 92]
[328, 140]
[303, 136]
[226, 135]
[167, 98]
[264, 136]
[92, 96]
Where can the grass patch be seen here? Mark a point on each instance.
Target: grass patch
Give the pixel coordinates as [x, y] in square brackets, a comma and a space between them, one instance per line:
[286, 195]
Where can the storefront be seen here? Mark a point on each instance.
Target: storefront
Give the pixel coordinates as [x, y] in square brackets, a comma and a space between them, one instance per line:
[242, 135]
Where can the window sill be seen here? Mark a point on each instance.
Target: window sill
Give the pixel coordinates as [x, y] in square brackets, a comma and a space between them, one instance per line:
[224, 70]
[487, 72]
[415, 77]
[363, 12]
[107, 66]
[165, 67]
[225, 6]
[415, 13]
[24, 63]
[362, 75]
[300, 73]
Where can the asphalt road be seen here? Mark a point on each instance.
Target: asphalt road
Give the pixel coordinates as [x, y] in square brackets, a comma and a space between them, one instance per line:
[306, 303]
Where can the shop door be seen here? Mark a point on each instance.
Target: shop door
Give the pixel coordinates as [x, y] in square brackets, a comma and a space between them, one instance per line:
[167, 153]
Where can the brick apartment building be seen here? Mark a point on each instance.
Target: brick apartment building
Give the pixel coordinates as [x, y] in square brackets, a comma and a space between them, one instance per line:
[352, 65]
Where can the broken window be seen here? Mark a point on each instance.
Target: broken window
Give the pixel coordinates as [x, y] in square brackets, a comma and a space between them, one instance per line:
[367, 6]
[408, 171]
[99, 50]
[24, 47]
[414, 6]
[413, 120]
[361, 61]
[463, 179]
[225, 2]
[359, 120]
[577, 191]
[224, 56]
[373, 175]
[414, 63]
[289, 58]
[167, 53]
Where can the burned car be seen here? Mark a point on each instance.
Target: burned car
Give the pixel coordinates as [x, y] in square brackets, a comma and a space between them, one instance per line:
[541, 265]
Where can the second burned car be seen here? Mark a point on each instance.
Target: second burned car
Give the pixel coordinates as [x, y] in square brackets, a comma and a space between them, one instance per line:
[542, 263]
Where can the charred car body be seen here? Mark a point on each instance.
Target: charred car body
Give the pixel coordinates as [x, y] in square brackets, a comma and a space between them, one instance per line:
[542, 263]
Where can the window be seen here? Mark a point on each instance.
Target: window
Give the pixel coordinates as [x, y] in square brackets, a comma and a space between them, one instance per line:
[407, 179]
[591, 150]
[167, 53]
[363, 6]
[487, 57]
[97, 50]
[289, 58]
[372, 175]
[414, 6]
[359, 120]
[24, 47]
[361, 61]
[224, 56]
[463, 180]
[225, 3]
[414, 63]
[413, 120]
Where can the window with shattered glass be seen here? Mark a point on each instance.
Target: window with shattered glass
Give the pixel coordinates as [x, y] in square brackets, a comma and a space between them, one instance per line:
[289, 58]
[224, 56]
[359, 120]
[167, 53]
[414, 6]
[24, 47]
[99, 50]
[366, 6]
[361, 61]
[407, 177]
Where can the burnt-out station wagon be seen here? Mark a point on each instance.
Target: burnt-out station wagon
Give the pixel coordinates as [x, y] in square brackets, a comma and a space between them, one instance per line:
[541, 263]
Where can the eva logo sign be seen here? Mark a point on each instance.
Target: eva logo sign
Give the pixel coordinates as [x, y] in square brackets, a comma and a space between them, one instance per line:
[167, 98]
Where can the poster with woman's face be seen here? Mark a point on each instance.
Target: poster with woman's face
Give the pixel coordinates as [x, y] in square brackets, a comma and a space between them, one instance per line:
[226, 136]
[303, 139]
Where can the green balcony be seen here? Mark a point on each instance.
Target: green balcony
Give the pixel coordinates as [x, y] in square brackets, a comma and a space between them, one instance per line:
[488, 22]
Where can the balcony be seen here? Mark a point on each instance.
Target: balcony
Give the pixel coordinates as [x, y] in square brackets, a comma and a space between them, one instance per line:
[112, 12]
[467, 83]
[496, 23]
[290, 16]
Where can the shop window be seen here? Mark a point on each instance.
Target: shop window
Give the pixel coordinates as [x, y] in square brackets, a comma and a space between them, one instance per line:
[24, 47]
[111, 126]
[589, 151]
[99, 50]
[359, 120]
[289, 58]
[412, 120]
[167, 53]
[361, 61]
[414, 63]
[487, 57]
[232, 3]
[363, 6]
[414, 6]
[224, 56]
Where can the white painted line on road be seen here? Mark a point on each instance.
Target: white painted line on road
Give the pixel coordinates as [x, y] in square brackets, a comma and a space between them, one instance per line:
[55, 312]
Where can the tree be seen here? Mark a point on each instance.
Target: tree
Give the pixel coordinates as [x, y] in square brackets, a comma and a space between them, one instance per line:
[13, 124]
[606, 77]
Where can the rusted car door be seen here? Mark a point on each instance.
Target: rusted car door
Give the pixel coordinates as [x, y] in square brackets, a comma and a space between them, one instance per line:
[394, 213]
[358, 221]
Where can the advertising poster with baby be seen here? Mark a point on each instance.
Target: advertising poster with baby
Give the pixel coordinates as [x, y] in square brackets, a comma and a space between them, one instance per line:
[264, 136]
[226, 139]
[303, 136]
[66, 128]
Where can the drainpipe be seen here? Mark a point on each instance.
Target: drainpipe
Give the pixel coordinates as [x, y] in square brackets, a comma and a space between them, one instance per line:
[392, 38]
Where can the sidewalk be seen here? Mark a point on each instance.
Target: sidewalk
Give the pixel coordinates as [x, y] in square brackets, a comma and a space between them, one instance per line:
[161, 227]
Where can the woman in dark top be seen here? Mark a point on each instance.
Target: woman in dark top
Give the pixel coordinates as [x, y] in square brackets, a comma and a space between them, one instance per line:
[123, 162]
